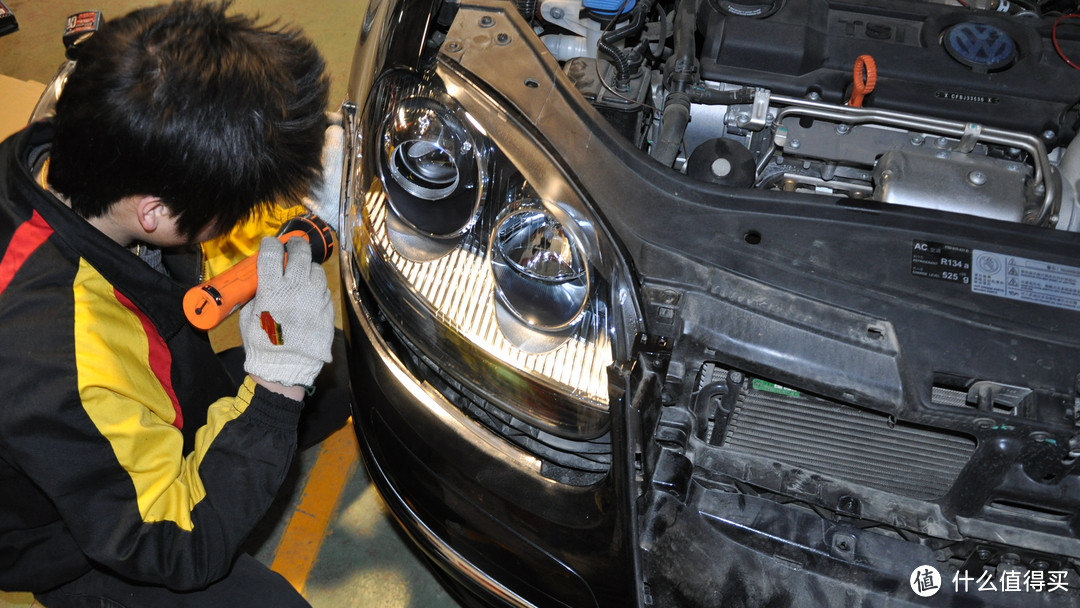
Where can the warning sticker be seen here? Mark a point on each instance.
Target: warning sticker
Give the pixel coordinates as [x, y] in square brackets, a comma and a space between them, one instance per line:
[940, 261]
[1024, 279]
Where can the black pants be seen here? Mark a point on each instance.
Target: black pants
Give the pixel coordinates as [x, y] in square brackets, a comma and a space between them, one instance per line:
[250, 584]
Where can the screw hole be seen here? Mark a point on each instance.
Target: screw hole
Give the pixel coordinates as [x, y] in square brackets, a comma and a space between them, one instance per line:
[531, 83]
[753, 237]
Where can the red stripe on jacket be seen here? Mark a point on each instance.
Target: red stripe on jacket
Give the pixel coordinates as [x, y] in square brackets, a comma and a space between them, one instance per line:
[27, 238]
[160, 357]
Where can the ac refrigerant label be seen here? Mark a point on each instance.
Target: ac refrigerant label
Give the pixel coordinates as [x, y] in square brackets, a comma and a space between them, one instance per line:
[940, 261]
[1024, 279]
[997, 274]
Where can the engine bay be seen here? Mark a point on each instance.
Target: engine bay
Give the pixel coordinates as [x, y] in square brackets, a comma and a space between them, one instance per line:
[959, 109]
[956, 107]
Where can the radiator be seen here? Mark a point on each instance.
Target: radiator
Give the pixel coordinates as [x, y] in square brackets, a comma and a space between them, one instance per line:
[844, 443]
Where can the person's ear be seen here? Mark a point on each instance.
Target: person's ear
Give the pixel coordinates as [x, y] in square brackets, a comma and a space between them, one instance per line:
[151, 212]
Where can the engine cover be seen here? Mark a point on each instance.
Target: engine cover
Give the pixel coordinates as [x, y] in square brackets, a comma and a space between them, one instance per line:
[935, 60]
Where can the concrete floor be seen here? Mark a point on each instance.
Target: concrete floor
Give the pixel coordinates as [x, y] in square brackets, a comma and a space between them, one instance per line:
[330, 533]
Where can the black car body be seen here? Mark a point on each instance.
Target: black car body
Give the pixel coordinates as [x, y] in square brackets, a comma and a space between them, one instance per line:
[705, 322]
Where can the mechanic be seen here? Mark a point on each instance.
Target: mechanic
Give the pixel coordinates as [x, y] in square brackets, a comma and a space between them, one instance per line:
[132, 465]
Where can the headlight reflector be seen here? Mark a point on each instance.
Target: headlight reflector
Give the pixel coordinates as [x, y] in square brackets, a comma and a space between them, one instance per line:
[539, 269]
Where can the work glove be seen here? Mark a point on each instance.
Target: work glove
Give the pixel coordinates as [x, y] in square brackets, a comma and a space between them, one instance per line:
[288, 327]
[324, 198]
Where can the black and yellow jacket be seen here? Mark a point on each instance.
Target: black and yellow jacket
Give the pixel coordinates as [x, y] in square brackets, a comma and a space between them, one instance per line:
[124, 444]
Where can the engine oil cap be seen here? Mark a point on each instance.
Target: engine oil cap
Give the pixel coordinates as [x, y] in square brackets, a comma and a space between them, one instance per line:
[980, 46]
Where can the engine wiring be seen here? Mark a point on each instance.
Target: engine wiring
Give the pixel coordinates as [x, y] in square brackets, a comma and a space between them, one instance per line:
[596, 65]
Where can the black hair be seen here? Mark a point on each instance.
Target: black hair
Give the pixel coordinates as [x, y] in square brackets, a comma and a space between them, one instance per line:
[214, 114]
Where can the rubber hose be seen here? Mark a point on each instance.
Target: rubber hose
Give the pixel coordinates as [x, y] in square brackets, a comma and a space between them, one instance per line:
[624, 64]
[672, 127]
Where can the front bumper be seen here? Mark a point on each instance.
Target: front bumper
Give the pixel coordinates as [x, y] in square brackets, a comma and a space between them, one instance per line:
[478, 506]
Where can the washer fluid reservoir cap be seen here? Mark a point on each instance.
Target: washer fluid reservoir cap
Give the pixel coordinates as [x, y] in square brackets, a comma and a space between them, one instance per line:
[607, 7]
[980, 46]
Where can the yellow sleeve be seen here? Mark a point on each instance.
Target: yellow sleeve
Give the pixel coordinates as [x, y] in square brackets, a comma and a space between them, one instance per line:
[222, 252]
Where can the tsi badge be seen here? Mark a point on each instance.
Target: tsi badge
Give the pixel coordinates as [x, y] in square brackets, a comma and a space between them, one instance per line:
[925, 581]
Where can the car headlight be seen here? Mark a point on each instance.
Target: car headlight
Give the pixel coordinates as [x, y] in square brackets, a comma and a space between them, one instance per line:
[430, 166]
[484, 256]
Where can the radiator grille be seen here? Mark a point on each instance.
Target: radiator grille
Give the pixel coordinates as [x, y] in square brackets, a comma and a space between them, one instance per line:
[847, 443]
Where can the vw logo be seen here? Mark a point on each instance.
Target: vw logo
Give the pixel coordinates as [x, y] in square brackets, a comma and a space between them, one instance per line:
[980, 46]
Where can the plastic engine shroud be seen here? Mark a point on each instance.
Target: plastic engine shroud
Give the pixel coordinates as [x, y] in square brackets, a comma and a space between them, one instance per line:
[936, 60]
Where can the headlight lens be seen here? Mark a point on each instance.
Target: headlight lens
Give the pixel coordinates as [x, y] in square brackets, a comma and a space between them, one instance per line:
[483, 255]
[430, 167]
